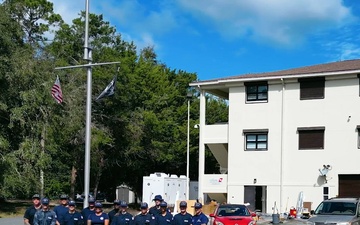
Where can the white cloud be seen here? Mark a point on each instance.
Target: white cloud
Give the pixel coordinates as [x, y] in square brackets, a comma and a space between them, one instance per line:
[277, 21]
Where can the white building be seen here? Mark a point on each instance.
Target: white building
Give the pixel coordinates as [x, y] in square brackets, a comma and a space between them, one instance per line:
[288, 132]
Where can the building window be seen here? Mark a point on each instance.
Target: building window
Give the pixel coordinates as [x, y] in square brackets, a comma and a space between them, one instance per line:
[312, 88]
[256, 140]
[358, 136]
[326, 193]
[256, 91]
[311, 137]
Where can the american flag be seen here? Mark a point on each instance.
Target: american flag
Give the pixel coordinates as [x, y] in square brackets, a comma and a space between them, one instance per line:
[56, 91]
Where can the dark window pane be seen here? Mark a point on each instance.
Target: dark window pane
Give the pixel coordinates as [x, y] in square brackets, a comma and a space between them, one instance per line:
[312, 88]
[311, 139]
[256, 91]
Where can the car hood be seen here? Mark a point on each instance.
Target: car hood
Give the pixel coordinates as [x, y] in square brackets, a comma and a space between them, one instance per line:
[234, 220]
[331, 218]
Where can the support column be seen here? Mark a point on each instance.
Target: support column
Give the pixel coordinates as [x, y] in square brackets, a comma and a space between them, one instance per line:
[201, 144]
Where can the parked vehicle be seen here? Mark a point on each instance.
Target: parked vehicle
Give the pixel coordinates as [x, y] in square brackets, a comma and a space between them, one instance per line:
[336, 211]
[233, 214]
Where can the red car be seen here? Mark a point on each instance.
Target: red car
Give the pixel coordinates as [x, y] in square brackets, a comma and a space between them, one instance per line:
[233, 214]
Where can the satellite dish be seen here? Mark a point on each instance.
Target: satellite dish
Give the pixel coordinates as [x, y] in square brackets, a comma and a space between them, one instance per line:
[323, 172]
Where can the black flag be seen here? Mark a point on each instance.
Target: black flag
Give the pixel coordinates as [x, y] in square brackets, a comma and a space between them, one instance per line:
[109, 90]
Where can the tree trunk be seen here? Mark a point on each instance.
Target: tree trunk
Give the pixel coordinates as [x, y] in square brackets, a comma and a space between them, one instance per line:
[73, 181]
[98, 176]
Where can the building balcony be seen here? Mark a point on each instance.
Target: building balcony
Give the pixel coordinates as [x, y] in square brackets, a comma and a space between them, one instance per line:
[216, 133]
[215, 183]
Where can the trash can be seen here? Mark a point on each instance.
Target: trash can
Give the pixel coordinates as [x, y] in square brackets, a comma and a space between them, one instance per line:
[276, 218]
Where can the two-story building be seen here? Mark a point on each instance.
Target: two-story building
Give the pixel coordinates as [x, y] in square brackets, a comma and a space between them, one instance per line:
[288, 132]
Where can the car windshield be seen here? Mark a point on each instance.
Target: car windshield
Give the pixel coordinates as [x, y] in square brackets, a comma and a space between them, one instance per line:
[233, 210]
[336, 208]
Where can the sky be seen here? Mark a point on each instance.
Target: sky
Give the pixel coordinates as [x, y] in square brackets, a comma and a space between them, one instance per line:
[222, 38]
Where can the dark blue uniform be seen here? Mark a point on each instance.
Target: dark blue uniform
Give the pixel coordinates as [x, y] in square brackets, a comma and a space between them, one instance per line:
[142, 219]
[73, 218]
[98, 220]
[183, 219]
[122, 219]
[112, 214]
[166, 219]
[30, 213]
[60, 211]
[200, 219]
[155, 210]
[86, 213]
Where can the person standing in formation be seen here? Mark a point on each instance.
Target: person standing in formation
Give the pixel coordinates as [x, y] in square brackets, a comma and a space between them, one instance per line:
[183, 217]
[30, 212]
[61, 209]
[45, 216]
[155, 210]
[115, 210]
[73, 217]
[122, 217]
[164, 218]
[144, 218]
[99, 217]
[199, 218]
[88, 210]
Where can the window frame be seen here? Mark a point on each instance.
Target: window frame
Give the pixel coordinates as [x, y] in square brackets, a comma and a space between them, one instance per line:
[306, 131]
[257, 133]
[257, 93]
[312, 88]
[358, 136]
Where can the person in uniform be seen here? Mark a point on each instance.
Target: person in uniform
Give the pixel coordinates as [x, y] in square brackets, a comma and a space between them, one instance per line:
[99, 217]
[45, 216]
[122, 217]
[155, 210]
[61, 209]
[144, 218]
[115, 210]
[30, 212]
[72, 217]
[88, 210]
[199, 218]
[164, 218]
[183, 217]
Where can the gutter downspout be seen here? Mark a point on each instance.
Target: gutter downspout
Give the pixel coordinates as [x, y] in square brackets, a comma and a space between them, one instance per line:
[282, 145]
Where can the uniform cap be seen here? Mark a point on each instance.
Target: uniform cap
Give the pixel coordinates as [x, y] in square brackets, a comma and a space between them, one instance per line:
[158, 197]
[183, 204]
[123, 204]
[163, 204]
[144, 205]
[198, 205]
[72, 203]
[63, 196]
[116, 202]
[36, 196]
[91, 200]
[45, 201]
[98, 205]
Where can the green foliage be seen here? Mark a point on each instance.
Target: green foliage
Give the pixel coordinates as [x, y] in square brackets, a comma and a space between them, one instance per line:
[140, 130]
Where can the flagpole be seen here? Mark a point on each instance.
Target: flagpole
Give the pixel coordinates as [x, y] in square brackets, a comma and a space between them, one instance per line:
[88, 57]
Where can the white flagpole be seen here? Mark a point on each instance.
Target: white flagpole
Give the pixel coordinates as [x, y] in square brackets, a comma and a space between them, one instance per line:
[87, 56]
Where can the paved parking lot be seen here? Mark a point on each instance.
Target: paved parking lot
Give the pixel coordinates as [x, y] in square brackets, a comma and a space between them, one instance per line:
[12, 221]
